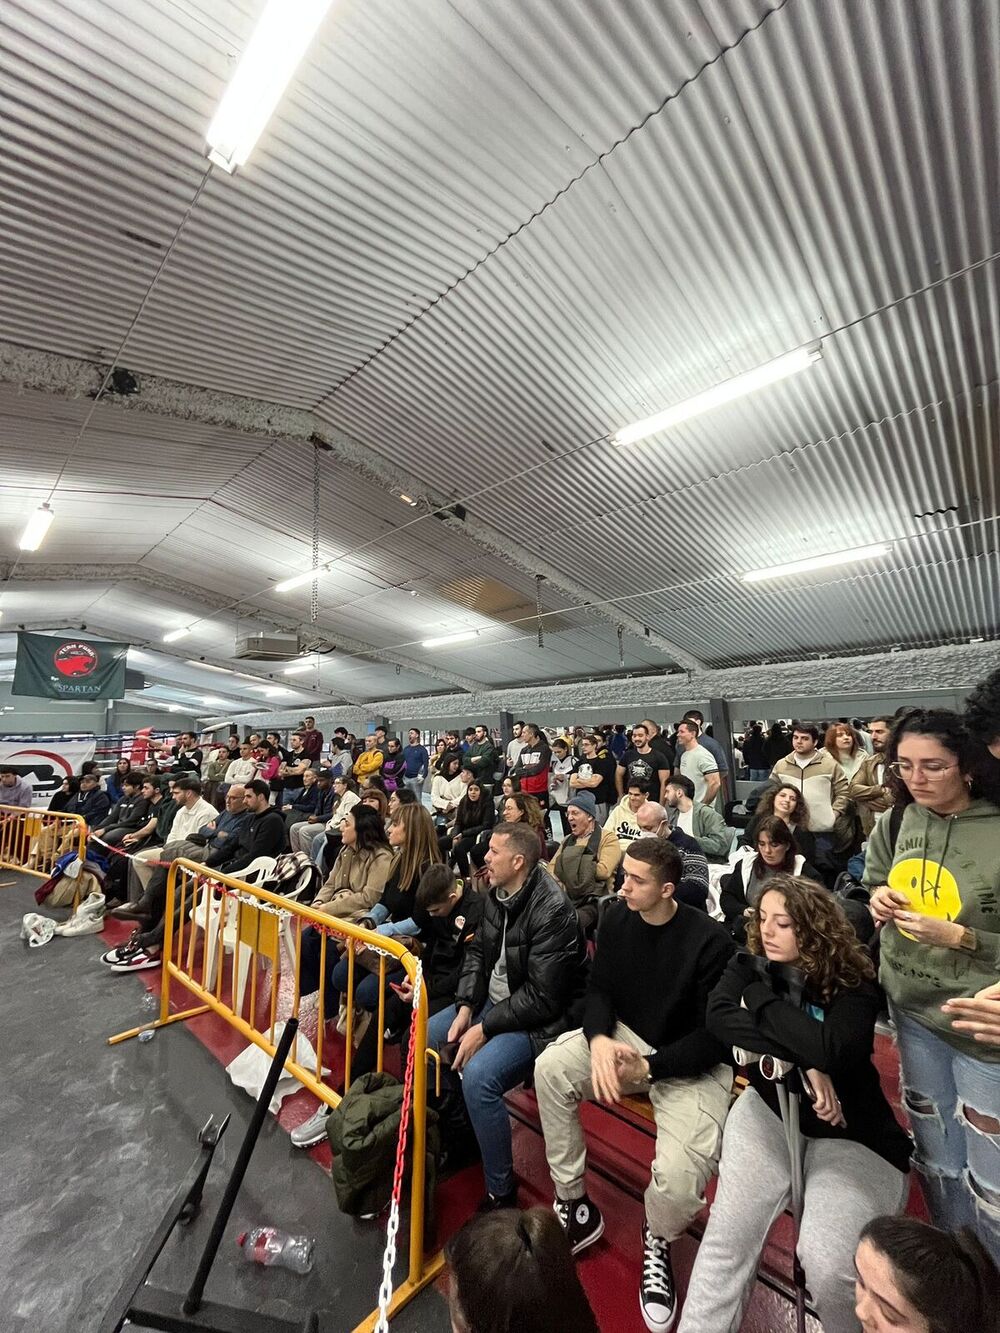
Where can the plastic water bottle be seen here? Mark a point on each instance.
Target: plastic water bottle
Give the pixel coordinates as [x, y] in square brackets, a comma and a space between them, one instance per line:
[150, 1000]
[148, 1035]
[267, 1246]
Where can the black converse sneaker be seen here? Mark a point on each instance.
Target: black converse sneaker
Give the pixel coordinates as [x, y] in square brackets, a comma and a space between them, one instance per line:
[657, 1295]
[581, 1220]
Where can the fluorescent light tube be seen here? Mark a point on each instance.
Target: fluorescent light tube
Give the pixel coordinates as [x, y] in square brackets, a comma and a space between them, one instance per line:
[297, 580]
[176, 634]
[297, 668]
[783, 366]
[277, 44]
[36, 528]
[451, 638]
[819, 562]
[207, 666]
[272, 691]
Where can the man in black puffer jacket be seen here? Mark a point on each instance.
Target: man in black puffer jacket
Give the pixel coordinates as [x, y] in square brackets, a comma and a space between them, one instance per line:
[522, 985]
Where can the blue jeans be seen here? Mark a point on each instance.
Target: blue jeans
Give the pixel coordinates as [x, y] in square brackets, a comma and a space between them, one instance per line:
[759, 774]
[503, 1063]
[365, 983]
[959, 1164]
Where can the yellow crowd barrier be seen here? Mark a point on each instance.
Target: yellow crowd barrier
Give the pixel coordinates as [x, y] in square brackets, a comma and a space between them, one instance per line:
[218, 933]
[32, 841]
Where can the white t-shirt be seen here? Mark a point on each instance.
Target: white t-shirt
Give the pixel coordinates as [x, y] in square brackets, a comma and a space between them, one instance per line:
[697, 764]
[685, 821]
[514, 748]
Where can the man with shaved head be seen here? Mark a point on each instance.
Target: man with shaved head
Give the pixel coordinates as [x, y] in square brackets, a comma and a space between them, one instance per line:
[693, 886]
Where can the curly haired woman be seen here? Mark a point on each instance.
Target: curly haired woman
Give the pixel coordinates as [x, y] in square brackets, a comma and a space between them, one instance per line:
[856, 1155]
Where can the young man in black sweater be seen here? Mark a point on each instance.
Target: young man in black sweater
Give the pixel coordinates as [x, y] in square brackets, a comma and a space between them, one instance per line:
[656, 964]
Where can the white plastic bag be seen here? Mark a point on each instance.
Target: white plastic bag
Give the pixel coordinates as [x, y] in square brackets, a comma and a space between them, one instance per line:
[249, 1070]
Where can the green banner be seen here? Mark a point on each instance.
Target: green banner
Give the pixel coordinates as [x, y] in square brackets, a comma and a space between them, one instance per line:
[78, 668]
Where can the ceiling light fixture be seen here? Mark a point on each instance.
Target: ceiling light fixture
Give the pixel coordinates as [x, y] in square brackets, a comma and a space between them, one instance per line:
[819, 562]
[176, 634]
[215, 703]
[451, 638]
[277, 44]
[772, 371]
[297, 668]
[273, 691]
[297, 580]
[36, 528]
[408, 500]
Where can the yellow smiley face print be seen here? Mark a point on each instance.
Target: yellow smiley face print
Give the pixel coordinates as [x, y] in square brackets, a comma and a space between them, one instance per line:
[932, 889]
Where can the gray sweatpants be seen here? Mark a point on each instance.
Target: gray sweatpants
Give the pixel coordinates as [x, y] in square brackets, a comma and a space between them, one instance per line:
[846, 1185]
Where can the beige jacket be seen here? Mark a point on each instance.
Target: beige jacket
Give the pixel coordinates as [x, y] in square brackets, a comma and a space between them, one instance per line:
[867, 792]
[355, 884]
[822, 782]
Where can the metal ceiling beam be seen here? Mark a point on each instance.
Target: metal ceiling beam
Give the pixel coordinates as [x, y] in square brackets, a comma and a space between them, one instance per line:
[71, 377]
[166, 583]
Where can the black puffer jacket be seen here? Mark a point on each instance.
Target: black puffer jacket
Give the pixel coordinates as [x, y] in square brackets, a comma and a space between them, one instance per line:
[546, 962]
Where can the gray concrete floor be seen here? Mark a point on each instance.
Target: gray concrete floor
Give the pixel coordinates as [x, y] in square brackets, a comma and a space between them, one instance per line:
[95, 1139]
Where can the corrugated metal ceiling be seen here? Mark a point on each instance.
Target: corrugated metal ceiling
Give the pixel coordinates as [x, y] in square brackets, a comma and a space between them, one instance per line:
[476, 236]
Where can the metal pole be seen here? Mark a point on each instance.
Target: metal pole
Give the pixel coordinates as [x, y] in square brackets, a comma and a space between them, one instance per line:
[192, 1302]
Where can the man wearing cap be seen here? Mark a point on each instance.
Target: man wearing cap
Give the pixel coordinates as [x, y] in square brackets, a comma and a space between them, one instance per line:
[587, 858]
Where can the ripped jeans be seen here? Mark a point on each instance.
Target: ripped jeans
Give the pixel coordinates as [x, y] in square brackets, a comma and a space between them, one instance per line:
[945, 1093]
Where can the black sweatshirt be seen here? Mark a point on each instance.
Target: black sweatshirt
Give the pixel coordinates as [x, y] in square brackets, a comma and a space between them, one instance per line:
[839, 1044]
[262, 835]
[657, 980]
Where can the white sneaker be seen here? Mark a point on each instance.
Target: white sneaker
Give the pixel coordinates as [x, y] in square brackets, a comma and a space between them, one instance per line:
[80, 925]
[312, 1130]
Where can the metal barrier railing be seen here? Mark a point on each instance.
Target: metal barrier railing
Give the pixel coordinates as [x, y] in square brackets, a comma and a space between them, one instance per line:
[33, 840]
[211, 918]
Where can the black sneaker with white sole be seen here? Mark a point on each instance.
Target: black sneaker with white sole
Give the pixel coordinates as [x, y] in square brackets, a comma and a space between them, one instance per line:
[657, 1293]
[581, 1220]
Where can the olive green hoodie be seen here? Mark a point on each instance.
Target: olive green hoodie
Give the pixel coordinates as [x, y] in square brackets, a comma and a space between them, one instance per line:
[949, 866]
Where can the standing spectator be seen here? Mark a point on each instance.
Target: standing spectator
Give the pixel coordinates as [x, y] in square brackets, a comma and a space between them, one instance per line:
[532, 765]
[658, 740]
[856, 1157]
[701, 822]
[821, 781]
[713, 747]
[370, 761]
[867, 787]
[561, 769]
[935, 881]
[642, 766]
[514, 746]
[778, 741]
[312, 740]
[417, 764]
[481, 755]
[755, 753]
[650, 1038]
[696, 763]
[982, 717]
[523, 973]
[595, 773]
[617, 742]
[841, 743]
[393, 765]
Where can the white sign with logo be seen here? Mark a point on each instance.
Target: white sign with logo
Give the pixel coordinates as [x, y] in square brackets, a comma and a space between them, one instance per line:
[45, 763]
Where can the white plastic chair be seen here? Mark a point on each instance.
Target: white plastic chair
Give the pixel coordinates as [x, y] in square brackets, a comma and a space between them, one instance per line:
[219, 919]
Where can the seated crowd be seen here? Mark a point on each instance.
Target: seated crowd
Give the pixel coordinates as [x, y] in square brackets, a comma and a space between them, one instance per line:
[598, 916]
